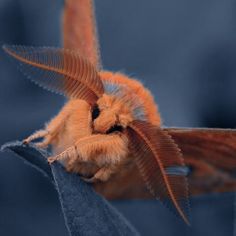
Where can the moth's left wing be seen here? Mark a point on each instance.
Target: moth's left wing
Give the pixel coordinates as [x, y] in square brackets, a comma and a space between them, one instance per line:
[156, 154]
[79, 29]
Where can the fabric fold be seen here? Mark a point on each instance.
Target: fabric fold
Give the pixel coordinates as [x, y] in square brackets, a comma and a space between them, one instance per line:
[85, 212]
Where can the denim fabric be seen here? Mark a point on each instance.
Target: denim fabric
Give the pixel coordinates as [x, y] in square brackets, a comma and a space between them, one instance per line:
[85, 212]
[31, 156]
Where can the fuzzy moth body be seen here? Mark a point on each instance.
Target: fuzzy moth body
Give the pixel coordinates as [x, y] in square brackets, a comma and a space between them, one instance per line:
[109, 119]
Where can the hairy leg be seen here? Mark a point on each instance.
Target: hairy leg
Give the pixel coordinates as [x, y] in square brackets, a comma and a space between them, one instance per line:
[98, 148]
[36, 135]
[54, 126]
[69, 155]
[102, 174]
[48, 133]
[104, 151]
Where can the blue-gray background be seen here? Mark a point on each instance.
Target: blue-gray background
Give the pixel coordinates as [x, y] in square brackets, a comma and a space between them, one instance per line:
[184, 51]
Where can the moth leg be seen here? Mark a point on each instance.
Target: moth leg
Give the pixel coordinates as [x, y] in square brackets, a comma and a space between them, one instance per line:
[102, 174]
[45, 142]
[45, 134]
[52, 128]
[89, 148]
[102, 149]
[53, 159]
[48, 133]
[69, 153]
[36, 135]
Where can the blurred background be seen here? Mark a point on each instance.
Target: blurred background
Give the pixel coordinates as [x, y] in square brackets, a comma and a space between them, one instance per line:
[184, 51]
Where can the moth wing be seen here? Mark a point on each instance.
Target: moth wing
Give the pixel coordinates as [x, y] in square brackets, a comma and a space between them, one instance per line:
[77, 36]
[211, 156]
[156, 154]
[59, 70]
[214, 146]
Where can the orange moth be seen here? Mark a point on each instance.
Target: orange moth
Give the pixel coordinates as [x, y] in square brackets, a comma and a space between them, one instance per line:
[109, 118]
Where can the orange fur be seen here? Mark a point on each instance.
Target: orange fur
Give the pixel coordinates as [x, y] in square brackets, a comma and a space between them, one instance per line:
[99, 130]
[83, 144]
[139, 90]
[112, 112]
[70, 134]
[72, 123]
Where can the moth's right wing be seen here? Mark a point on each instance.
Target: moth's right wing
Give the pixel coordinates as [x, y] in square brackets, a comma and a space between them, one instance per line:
[59, 70]
[210, 155]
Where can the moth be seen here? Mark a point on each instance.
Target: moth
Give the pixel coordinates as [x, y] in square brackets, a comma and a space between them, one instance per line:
[108, 120]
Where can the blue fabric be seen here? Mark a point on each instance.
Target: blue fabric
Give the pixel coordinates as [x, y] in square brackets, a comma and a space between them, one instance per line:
[30, 155]
[85, 212]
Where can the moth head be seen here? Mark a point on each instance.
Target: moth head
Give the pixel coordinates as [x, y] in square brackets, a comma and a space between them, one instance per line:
[110, 114]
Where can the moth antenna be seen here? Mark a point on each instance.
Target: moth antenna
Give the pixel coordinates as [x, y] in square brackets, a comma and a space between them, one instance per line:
[155, 153]
[59, 70]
